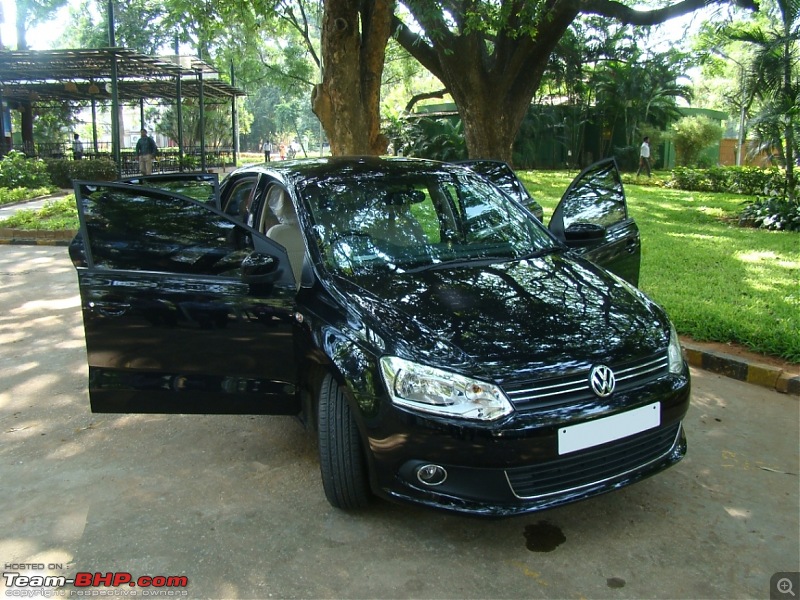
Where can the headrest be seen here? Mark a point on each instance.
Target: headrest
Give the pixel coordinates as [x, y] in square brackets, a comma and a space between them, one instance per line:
[404, 197]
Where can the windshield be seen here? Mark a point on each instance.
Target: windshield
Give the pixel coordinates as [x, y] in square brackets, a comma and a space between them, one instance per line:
[417, 220]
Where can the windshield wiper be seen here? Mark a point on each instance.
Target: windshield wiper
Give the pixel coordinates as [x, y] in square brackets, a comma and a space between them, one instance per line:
[461, 262]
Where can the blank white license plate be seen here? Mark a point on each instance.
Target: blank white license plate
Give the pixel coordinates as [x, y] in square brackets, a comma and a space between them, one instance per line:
[608, 429]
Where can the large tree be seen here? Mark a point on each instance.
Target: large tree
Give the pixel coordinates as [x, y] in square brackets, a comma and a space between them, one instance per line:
[491, 55]
[347, 102]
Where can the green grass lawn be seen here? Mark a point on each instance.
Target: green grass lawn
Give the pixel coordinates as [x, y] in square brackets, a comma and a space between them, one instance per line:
[718, 282]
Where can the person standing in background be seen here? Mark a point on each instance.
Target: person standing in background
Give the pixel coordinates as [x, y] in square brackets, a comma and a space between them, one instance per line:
[267, 150]
[77, 147]
[146, 150]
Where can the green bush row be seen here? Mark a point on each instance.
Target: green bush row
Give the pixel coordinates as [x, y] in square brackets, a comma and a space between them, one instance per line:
[752, 181]
[63, 171]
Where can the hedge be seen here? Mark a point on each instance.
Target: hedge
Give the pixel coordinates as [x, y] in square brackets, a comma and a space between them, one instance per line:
[63, 171]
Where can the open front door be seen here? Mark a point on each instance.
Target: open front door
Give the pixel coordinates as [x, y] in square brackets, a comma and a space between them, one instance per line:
[203, 187]
[592, 219]
[184, 310]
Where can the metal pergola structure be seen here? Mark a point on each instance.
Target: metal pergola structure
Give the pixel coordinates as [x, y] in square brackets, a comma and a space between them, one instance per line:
[45, 78]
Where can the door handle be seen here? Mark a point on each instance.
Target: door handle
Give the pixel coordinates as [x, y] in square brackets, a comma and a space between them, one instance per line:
[110, 309]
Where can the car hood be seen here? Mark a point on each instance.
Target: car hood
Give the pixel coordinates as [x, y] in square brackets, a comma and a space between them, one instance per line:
[505, 318]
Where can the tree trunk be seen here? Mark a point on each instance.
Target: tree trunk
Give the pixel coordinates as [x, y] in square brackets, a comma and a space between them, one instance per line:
[347, 102]
[22, 25]
[490, 126]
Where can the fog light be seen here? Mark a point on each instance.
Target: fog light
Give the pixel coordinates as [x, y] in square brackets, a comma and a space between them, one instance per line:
[431, 474]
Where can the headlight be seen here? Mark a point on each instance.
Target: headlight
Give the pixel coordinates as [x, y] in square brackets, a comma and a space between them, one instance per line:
[435, 391]
[674, 352]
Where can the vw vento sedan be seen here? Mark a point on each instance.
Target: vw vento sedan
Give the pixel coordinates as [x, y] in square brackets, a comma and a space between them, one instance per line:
[446, 347]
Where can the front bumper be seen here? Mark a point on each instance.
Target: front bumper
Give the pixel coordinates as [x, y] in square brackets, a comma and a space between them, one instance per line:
[507, 492]
[516, 468]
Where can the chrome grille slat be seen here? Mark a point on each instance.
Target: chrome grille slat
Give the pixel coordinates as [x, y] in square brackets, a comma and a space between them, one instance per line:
[555, 391]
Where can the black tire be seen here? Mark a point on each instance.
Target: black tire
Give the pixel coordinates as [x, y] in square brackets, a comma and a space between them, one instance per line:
[341, 457]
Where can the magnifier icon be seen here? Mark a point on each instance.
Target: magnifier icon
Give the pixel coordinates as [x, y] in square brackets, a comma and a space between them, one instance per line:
[784, 586]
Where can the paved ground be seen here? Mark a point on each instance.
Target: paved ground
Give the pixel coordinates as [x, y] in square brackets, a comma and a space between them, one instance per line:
[235, 503]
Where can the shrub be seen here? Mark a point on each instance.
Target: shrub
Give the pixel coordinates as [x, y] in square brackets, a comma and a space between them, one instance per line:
[19, 171]
[751, 181]
[693, 180]
[55, 215]
[64, 171]
[771, 213]
[9, 196]
[691, 135]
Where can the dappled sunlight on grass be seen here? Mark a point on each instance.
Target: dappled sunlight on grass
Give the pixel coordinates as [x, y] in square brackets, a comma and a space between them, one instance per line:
[777, 260]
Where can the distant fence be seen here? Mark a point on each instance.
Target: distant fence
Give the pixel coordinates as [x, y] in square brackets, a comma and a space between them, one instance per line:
[167, 160]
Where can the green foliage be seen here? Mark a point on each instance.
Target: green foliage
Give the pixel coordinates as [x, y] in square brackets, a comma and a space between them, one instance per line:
[63, 171]
[10, 196]
[55, 215]
[751, 181]
[427, 137]
[777, 214]
[770, 75]
[718, 281]
[691, 135]
[17, 170]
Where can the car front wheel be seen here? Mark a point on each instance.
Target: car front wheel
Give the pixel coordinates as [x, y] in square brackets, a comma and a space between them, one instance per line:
[341, 457]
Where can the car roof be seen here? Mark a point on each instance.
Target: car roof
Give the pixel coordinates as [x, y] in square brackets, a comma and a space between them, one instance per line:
[292, 171]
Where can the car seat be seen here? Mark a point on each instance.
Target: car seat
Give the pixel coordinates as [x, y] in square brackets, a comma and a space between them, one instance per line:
[287, 232]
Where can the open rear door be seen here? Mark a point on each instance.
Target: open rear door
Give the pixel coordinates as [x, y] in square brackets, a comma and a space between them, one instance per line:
[592, 219]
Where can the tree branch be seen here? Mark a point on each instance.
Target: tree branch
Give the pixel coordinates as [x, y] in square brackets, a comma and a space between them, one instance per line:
[426, 96]
[417, 47]
[629, 16]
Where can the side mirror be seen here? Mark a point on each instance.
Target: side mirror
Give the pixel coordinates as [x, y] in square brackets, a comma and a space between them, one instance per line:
[584, 232]
[258, 268]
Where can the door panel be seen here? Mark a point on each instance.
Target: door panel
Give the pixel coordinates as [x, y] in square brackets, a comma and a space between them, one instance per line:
[172, 322]
[596, 197]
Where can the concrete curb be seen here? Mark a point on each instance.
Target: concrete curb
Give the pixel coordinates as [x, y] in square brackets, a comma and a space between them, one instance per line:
[36, 238]
[742, 369]
[697, 355]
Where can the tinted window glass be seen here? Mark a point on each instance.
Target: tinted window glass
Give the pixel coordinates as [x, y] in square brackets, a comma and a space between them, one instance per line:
[237, 197]
[596, 198]
[135, 230]
[200, 188]
[502, 176]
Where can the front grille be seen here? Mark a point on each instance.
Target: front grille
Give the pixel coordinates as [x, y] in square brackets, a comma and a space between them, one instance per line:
[591, 466]
[555, 391]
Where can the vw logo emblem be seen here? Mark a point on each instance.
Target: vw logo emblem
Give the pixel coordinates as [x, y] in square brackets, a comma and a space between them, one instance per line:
[602, 381]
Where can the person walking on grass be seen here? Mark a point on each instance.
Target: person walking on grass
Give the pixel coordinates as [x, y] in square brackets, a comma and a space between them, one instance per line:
[644, 156]
[146, 150]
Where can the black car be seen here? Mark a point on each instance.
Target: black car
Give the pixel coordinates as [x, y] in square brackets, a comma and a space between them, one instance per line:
[447, 348]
